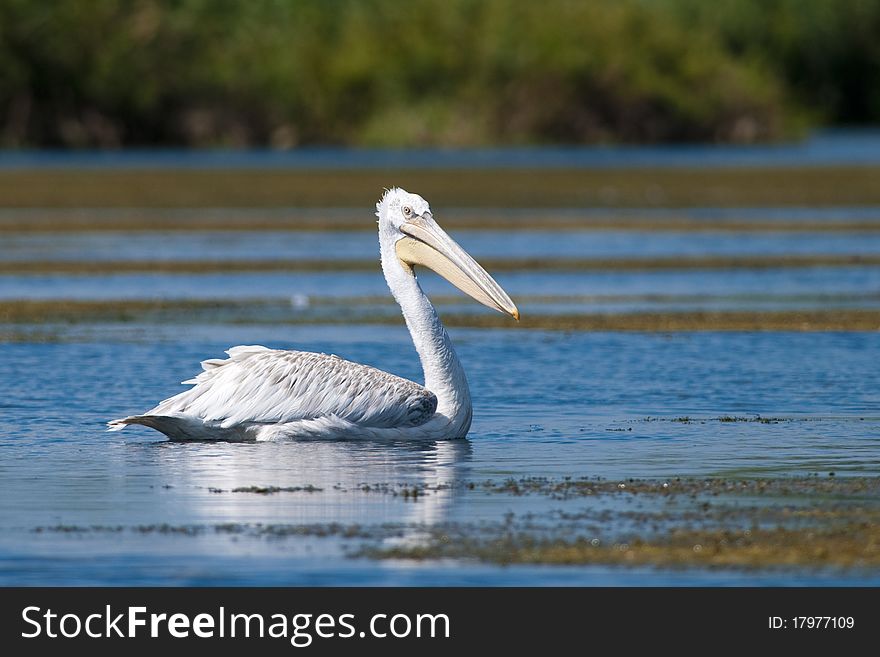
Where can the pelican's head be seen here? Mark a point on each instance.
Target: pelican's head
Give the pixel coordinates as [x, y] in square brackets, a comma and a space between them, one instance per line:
[406, 220]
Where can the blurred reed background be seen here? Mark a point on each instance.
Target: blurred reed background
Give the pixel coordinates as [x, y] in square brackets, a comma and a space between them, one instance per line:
[114, 73]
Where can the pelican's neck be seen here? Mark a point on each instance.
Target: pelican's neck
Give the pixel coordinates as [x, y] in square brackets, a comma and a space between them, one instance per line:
[444, 375]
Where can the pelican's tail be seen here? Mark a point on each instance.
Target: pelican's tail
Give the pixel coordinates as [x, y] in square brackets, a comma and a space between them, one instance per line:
[120, 424]
[184, 427]
[153, 421]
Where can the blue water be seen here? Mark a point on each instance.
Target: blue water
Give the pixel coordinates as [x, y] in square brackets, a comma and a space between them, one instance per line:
[857, 147]
[744, 289]
[317, 245]
[59, 467]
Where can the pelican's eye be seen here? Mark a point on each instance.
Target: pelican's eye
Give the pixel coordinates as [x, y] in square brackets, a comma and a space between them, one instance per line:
[407, 211]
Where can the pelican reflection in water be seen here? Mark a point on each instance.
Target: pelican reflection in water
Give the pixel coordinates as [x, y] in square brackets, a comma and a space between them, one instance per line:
[261, 394]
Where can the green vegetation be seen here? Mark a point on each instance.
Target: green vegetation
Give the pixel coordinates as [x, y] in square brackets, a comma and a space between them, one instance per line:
[850, 543]
[35, 315]
[664, 263]
[825, 52]
[476, 188]
[681, 523]
[71, 220]
[108, 73]
[720, 522]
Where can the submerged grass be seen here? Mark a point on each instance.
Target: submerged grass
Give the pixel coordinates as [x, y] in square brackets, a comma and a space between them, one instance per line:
[853, 543]
[781, 487]
[60, 312]
[790, 522]
[72, 220]
[804, 522]
[856, 489]
[782, 320]
[494, 264]
[531, 188]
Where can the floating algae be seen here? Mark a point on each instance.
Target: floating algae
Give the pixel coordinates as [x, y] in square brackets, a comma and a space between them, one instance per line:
[256, 219]
[21, 312]
[853, 544]
[815, 186]
[667, 263]
[807, 522]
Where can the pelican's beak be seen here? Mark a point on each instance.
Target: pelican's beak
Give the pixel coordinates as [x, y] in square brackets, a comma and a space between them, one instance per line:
[426, 244]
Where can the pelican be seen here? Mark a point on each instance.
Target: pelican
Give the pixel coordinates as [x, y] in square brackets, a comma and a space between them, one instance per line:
[263, 394]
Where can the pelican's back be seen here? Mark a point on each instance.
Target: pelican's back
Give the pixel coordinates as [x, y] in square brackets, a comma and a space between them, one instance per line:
[259, 386]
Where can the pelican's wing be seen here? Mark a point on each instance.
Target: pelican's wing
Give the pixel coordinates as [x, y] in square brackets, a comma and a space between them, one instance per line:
[261, 385]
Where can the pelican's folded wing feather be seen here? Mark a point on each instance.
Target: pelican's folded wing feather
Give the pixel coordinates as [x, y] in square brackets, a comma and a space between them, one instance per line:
[260, 385]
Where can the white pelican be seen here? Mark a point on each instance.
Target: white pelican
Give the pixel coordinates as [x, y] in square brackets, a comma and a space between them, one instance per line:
[261, 394]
